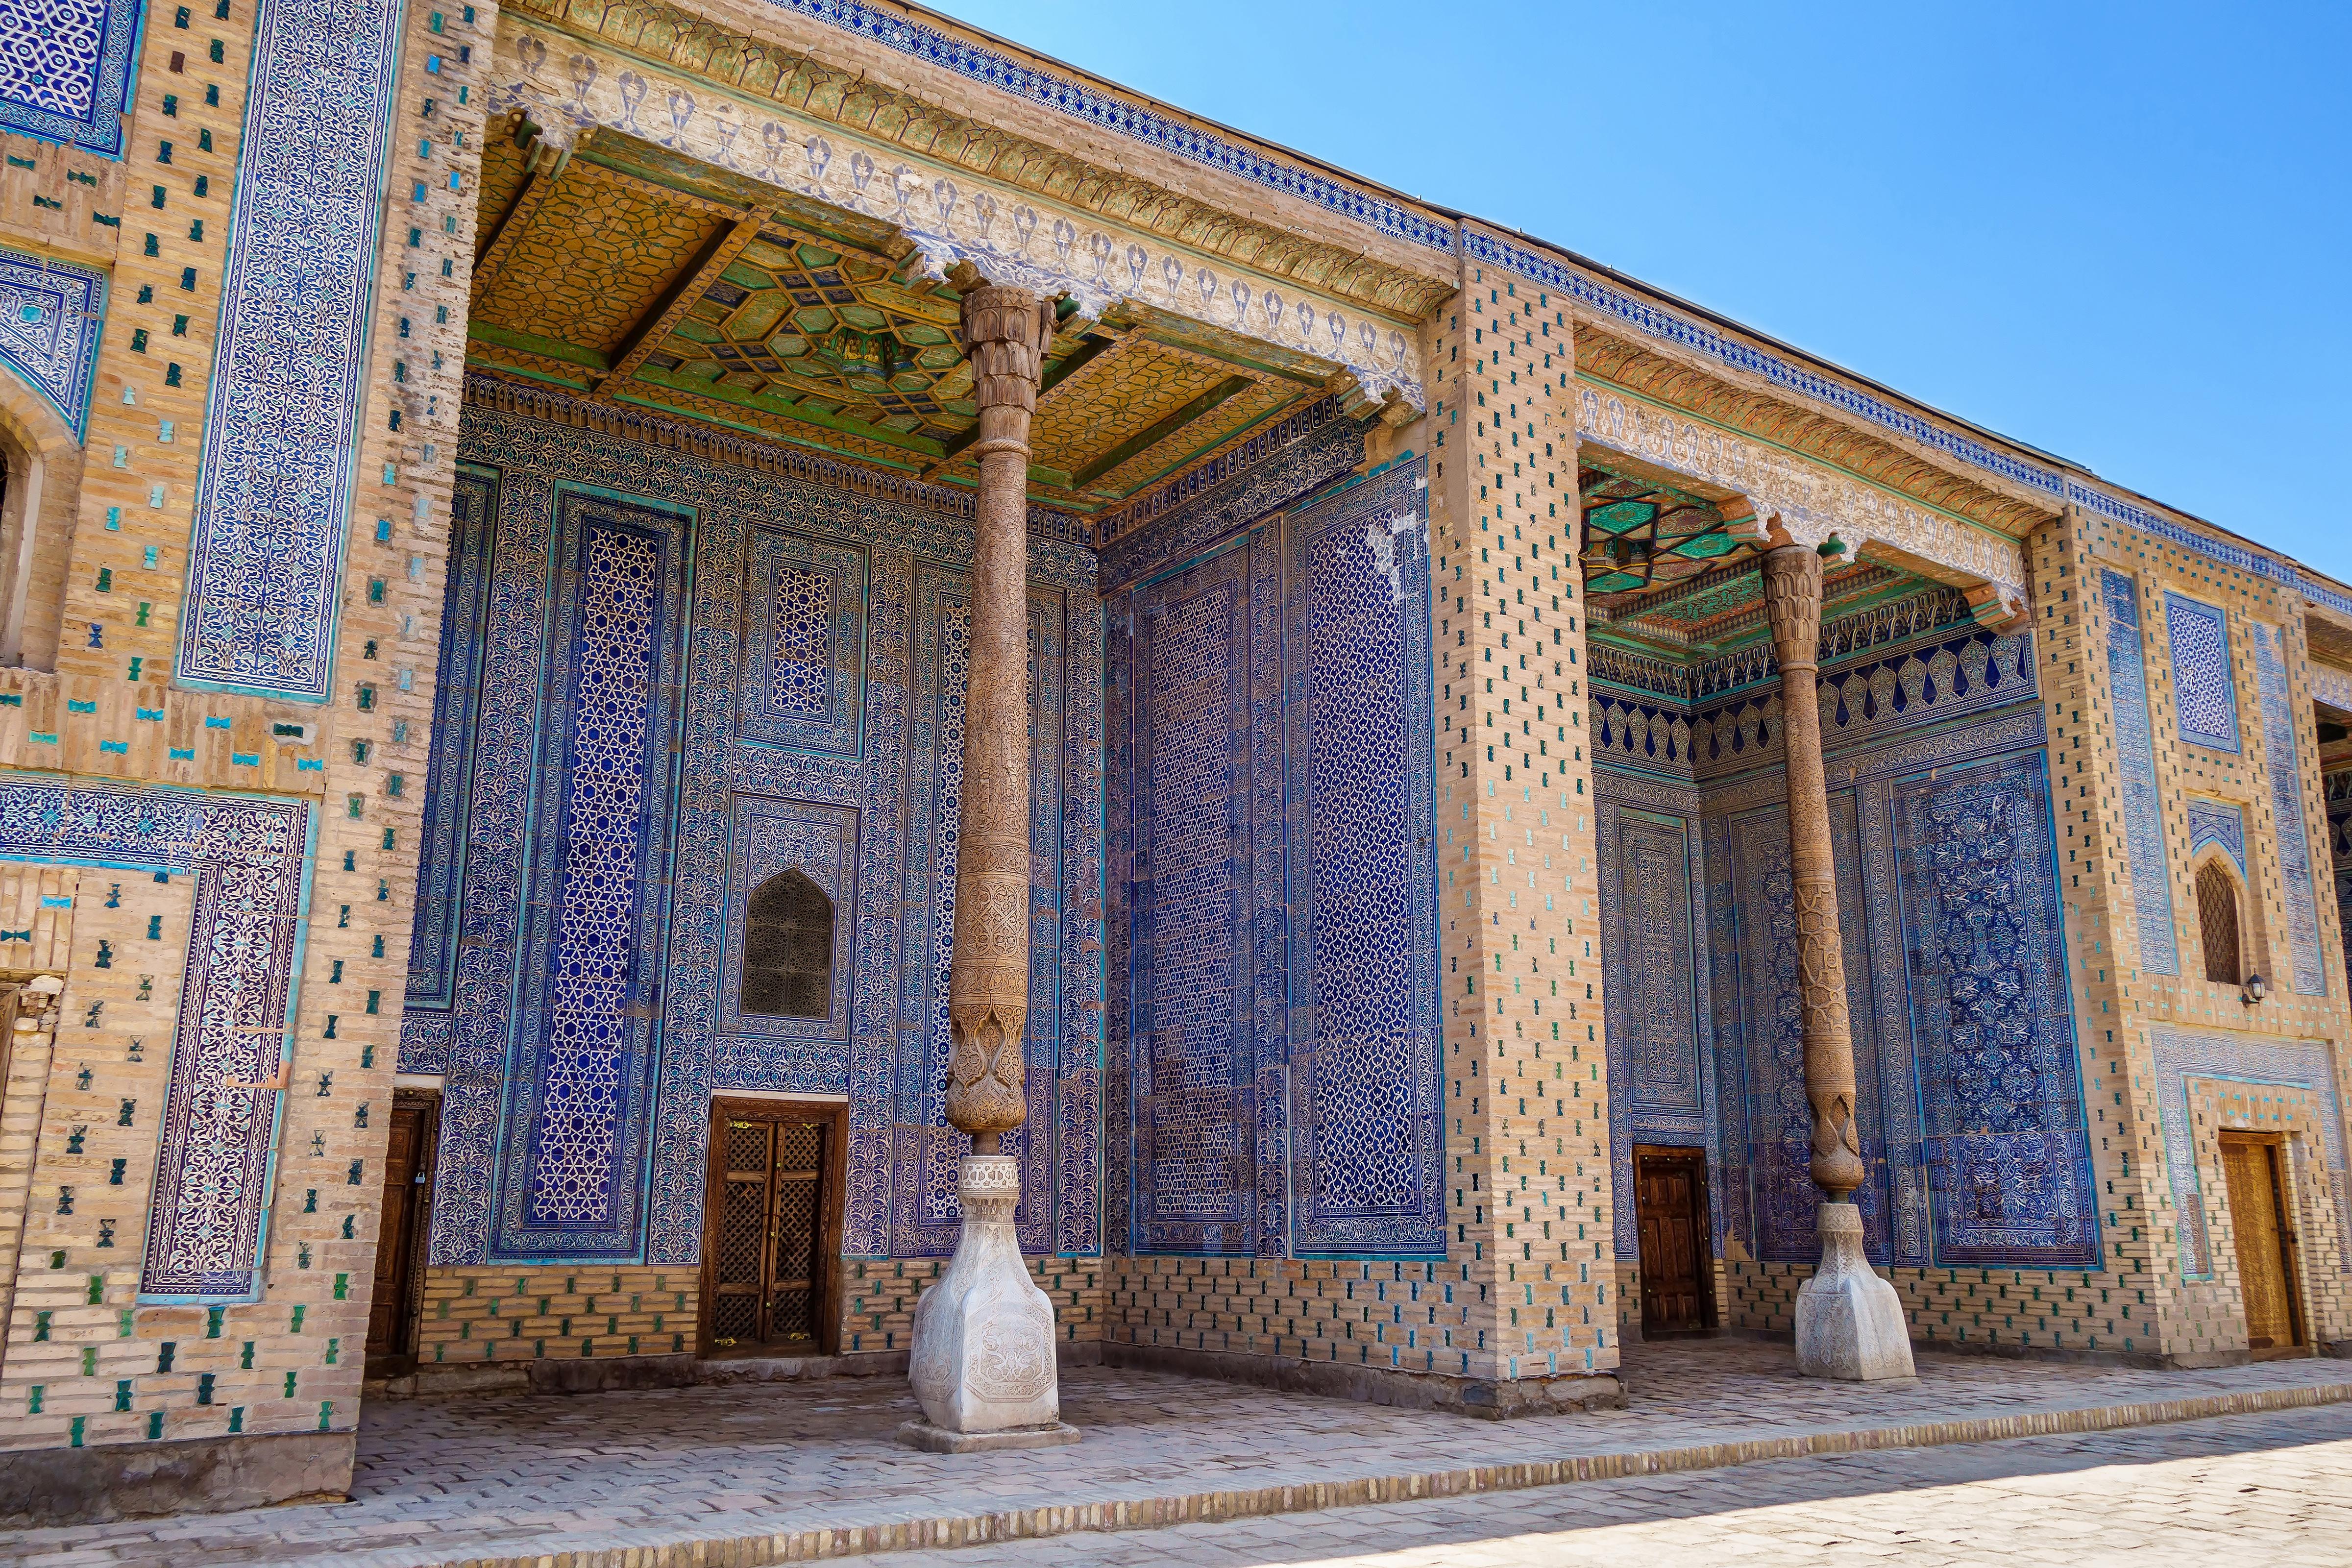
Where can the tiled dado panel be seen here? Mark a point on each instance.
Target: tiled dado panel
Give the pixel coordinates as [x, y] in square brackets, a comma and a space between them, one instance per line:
[850, 611]
[1275, 992]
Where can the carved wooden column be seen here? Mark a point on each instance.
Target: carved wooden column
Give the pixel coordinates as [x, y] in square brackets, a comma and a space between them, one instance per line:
[1006, 332]
[1792, 603]
[1850, 1322]
[982, 1359]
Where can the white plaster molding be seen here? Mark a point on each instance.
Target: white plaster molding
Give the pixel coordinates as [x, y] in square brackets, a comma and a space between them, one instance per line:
[1812, 502]
[950, 213]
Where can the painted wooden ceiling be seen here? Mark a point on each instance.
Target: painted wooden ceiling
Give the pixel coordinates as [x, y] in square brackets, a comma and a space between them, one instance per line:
[629, 273]
[1667, 573]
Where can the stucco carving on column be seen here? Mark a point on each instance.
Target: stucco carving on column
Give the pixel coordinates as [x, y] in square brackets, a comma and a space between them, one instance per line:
[1812, 503]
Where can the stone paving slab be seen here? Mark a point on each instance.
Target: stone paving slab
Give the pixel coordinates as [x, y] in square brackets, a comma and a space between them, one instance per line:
[699, 1477]
[2273, 1489]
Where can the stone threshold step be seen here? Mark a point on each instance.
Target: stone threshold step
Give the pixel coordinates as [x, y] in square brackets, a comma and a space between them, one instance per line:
[643, 1550]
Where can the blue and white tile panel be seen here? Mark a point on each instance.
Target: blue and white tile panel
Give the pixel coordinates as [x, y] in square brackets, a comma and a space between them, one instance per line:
[52, 313]
[2213, 822]
[2204, 691]
[2282, 765]
[66, 71]
[282, 417]
[2151, 876]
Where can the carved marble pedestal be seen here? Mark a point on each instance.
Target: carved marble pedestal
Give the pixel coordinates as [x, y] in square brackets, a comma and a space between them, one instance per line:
[1850, 1321]
[982, 1365]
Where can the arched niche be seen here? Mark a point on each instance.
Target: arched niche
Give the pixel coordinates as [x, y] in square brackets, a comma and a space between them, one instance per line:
[40, 491]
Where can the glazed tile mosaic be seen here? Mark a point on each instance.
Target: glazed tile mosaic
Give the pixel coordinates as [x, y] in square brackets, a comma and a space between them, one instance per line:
[66, 71]
[52, 315]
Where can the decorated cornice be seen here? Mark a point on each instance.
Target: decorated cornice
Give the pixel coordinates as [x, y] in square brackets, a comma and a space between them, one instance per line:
[2255, 563]
[1811, 500]
[1817, 433]
[898, 126]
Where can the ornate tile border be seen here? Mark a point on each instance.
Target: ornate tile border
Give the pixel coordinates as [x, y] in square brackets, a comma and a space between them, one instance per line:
[2151, 875]
[2283, 762]
[67, 68]
[2242, 1058]
[208, 1220]
[52, 315]
[281, 433]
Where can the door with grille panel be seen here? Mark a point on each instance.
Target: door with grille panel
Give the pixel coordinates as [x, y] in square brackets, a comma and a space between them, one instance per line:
[769, 1238]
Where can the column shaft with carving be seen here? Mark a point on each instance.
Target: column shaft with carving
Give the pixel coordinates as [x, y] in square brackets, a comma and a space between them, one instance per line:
[1792, 602]
[1006, 332]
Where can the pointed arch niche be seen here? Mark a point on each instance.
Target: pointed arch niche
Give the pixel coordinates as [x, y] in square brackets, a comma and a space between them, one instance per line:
[788, 932]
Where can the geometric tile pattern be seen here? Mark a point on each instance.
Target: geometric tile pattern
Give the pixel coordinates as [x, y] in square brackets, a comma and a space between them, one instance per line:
[280, 431]
[52, 315]
[2282, 765]
[2308, 1066]
[65, 70]
[250, 857]
[1274, 984]
[449, 772]
[741, 804]
[2203, 695]
[1366, 1053]
[580, 1078]
[2007, 1142]
[2143, 807]
[803, 644]
[2212, 822]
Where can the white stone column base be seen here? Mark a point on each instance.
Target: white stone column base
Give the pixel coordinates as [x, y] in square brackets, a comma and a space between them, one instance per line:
[983, 1353]
[1850, 1321]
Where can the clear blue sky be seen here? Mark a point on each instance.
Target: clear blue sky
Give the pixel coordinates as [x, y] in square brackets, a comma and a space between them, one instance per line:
[2118, 233]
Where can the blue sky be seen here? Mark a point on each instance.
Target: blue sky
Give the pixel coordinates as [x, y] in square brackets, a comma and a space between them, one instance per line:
[2118, 233]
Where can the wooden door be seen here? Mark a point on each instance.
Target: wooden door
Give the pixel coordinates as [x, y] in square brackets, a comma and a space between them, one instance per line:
[2258, 1214]
[1670, 1201]
[395, 1249]
[771, 1240]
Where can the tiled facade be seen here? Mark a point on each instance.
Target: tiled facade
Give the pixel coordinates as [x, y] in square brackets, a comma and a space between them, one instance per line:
[406, 697]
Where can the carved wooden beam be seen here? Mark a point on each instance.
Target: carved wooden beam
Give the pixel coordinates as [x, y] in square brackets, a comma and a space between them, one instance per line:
[717, 255]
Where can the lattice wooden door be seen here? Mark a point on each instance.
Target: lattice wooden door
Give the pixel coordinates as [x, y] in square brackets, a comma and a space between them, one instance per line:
[2265, 1244]
[767, 1234]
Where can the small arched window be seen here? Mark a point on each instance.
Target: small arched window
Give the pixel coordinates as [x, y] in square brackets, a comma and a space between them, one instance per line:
[2216, 923]
[788, 948]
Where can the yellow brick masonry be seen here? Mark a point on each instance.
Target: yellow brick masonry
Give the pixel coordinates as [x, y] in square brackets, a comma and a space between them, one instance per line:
[85, 1364]
[1526, 1106]
[474, 1316]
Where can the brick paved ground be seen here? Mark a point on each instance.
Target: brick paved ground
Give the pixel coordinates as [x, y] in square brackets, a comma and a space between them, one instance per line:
[450, 1480]
[2274, 1490]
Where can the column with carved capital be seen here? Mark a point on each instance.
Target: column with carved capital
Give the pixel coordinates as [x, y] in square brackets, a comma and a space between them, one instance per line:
[983, 1360]
[1850, 1321]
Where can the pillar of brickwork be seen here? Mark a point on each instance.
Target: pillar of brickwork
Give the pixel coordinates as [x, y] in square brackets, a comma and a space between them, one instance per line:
[983, 1361]
[1850, 1322]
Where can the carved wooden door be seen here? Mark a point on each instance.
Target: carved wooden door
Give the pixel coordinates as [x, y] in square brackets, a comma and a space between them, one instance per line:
[768, 1228]
[1670, 1200]
[2266, 1242]
[395, 1242]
